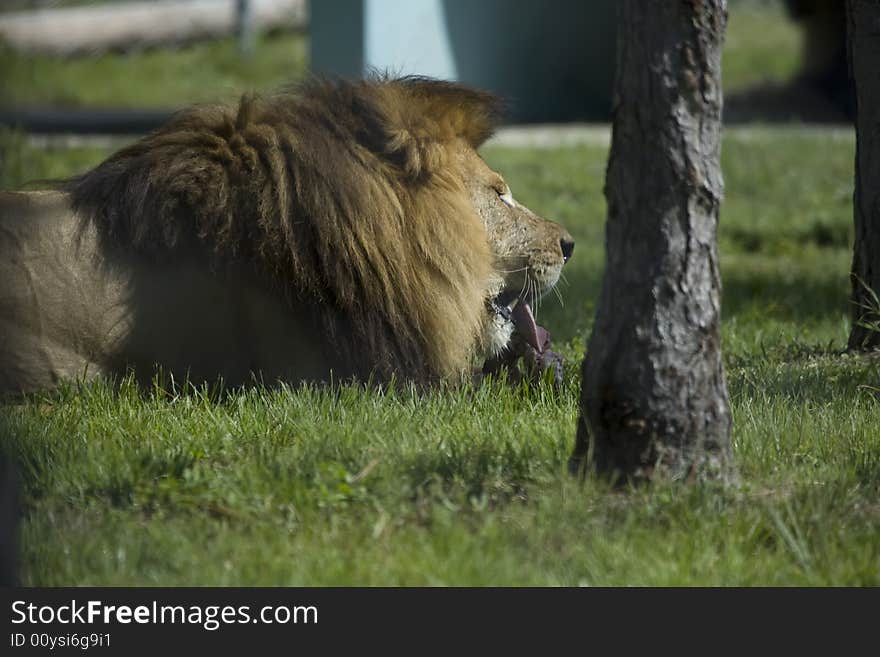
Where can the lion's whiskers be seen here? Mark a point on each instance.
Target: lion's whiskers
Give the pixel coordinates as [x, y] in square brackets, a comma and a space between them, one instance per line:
[513, 271]
[538, 298]
[523, 289]
[532, 293]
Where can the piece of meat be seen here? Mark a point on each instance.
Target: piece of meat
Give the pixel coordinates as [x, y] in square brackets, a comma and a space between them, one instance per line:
[531, 344]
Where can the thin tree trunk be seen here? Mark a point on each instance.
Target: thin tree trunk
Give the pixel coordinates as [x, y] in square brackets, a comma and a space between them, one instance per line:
[863, 27]
[653, 400]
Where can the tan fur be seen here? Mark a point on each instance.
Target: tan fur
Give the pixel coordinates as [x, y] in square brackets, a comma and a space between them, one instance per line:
[354, 204]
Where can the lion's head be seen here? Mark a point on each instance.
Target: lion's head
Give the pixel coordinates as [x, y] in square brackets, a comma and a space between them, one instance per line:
[362, 204]
[528, 254]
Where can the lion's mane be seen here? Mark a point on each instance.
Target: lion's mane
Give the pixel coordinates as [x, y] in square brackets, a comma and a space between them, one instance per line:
[342, 194]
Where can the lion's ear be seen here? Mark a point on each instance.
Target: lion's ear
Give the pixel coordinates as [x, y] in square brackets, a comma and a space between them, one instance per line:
[409, 121]
[455, 110]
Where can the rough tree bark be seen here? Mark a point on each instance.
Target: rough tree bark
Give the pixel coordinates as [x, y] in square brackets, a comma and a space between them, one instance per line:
[863, 27]
[654, 401]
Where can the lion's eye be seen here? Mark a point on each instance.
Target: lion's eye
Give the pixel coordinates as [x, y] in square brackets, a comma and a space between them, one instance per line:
[506, 196]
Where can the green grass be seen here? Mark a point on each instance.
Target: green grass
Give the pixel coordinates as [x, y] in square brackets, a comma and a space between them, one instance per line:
[360, 486]
[24, 166]
[761, 45]
[203, 72]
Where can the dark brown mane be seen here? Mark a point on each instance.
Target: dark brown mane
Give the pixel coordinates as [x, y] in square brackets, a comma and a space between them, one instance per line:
[339, 192]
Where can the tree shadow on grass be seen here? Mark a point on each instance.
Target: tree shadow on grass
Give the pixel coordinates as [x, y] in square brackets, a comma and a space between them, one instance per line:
[803, 374]
[801, 294]
[787, 296]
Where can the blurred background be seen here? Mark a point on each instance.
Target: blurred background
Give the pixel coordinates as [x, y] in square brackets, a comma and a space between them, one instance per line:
[120, 66]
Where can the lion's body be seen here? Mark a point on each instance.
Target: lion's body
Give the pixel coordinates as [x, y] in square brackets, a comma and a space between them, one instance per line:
[339, 232]
[72, 309]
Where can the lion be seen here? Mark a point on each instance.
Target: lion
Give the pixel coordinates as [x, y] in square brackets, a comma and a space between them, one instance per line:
[332, 231]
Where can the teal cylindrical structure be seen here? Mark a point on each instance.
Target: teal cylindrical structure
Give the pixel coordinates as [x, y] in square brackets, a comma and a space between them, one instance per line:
[550, 60]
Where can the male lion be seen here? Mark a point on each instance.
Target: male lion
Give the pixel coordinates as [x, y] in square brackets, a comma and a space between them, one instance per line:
[345, 229]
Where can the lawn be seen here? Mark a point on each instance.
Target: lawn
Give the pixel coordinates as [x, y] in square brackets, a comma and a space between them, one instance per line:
[354, 486]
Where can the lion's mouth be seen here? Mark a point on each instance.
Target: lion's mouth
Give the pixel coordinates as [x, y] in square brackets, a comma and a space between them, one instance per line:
[518, 311]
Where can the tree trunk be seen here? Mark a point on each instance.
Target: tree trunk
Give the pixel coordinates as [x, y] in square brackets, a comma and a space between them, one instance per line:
[653, 398]
[863, 27]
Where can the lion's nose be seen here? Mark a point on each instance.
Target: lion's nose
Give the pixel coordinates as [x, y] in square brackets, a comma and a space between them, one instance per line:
[567, 246]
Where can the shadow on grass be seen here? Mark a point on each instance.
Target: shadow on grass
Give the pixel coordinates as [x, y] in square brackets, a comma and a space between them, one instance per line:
[792, 296]
[795, 295]
[801, 375]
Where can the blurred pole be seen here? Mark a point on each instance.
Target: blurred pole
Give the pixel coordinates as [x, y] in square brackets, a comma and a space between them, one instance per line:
[244, 26]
